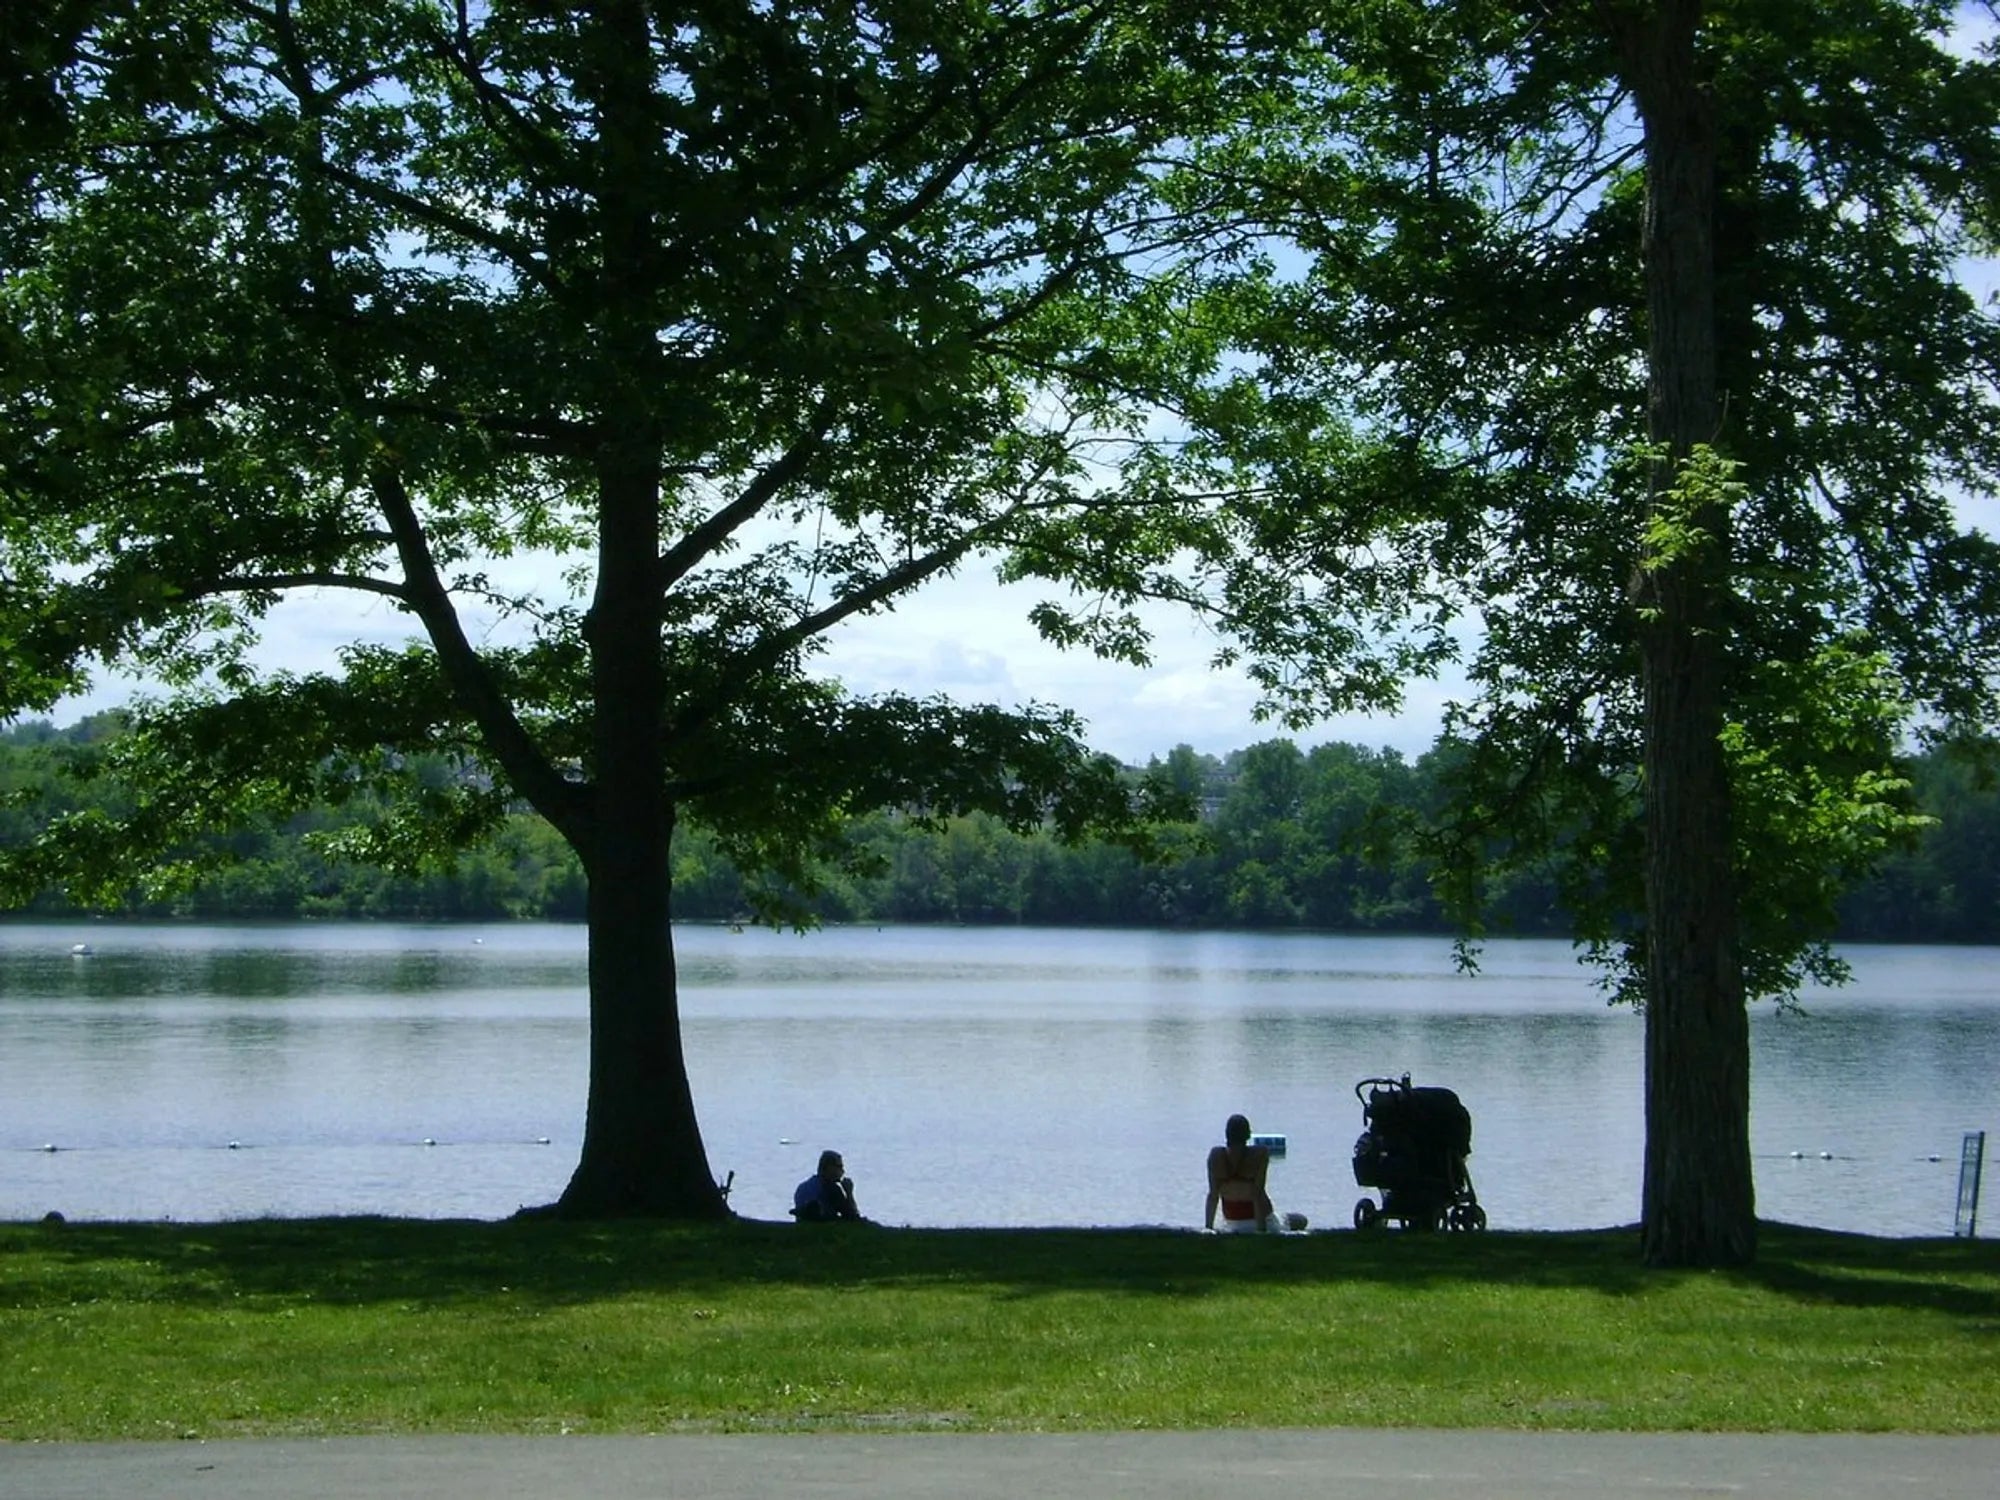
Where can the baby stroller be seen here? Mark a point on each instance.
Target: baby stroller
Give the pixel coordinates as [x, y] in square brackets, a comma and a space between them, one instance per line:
[1414, 1149]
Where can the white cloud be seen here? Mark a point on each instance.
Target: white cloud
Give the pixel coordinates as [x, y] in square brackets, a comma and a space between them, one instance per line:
[971, 638]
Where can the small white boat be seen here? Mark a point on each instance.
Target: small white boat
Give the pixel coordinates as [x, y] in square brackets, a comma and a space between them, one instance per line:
[79, 950]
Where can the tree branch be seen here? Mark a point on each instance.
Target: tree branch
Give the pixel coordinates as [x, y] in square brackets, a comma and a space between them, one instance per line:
[561, 801]
[678, 559]
[253, 583]
[549, 438]
[516, 253]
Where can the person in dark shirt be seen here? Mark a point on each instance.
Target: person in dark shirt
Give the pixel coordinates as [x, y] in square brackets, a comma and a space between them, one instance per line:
[827, 1195]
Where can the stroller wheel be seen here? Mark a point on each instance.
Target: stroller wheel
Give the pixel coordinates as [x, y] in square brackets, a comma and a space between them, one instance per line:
[1366, 1214]
[1475, 1216]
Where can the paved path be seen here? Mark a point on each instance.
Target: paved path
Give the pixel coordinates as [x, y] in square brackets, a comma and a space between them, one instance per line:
[1323, 1465]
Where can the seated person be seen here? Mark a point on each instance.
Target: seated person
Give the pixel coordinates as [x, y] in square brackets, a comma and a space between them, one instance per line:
[1236, 1174]
[826, 1195]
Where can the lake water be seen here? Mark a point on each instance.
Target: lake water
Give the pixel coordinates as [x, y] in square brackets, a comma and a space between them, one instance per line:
[970, 1076]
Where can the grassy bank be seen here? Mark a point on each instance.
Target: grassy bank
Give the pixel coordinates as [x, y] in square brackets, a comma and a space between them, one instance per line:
[343, 1326]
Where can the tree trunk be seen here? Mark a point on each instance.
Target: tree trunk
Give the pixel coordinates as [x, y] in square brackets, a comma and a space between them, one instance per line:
[1698, 1203]
[642, 1147]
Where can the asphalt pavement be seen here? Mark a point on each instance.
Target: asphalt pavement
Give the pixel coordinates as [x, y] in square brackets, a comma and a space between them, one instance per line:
[1333, 1464]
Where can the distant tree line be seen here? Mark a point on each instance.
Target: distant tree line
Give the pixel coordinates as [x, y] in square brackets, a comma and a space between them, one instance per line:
[1286, 838]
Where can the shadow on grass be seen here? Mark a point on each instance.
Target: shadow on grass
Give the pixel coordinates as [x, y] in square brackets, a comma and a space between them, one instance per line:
[362, 1261]
[1959, 1277]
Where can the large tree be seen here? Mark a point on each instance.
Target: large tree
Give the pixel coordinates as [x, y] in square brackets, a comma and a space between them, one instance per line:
[740, 320]
[1644, 323]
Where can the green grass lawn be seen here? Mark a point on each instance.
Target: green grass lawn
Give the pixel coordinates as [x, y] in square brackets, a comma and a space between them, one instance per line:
[400, 1326]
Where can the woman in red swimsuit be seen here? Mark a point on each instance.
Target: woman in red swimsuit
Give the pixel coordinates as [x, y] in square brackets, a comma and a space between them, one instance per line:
[1236, 1173]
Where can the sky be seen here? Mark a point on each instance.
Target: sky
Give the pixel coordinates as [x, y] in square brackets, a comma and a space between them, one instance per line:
[972, 640]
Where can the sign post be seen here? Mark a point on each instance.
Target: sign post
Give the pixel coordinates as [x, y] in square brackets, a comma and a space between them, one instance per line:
[1970, 1157]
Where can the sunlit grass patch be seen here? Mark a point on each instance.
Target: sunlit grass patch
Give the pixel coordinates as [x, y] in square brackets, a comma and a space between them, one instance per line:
[341, 1326]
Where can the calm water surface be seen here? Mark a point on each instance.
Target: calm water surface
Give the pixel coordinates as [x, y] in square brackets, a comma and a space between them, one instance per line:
[970, 1076]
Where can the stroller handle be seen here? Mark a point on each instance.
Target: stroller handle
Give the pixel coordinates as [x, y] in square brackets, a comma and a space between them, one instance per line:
[1366, 1083]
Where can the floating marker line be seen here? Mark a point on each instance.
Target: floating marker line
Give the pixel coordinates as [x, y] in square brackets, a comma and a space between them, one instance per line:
[52, 1148]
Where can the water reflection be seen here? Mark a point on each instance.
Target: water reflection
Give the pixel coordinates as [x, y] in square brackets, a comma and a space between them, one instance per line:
[970, 1077]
